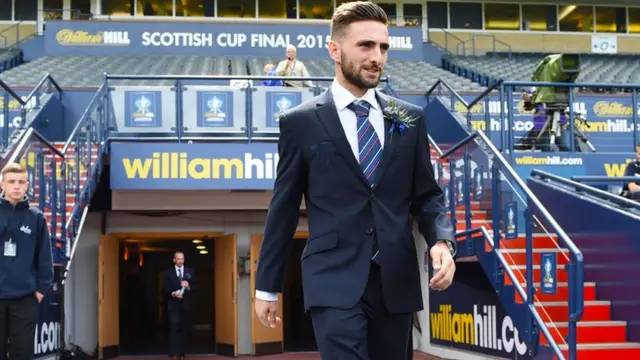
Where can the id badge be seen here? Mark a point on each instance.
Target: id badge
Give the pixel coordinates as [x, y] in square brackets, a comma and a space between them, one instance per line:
[10, 249]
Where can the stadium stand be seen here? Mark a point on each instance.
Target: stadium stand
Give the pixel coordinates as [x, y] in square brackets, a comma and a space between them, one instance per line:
[612, 69]
[83, 71]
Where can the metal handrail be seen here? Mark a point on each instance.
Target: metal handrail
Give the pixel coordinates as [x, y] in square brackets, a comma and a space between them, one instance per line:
[577, 283]
[521, 291]
[618, 200]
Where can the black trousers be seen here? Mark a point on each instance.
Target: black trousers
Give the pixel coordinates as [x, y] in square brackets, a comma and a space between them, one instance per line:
[179, 331]
[365, 332]
[18, 319]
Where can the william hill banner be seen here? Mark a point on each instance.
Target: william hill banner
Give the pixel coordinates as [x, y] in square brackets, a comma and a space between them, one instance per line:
[210, 39]
[171, 166]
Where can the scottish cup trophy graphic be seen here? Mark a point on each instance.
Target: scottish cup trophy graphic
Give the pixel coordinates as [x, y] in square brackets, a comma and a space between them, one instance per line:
[215, 113]
[478, 183]
[511, 224]
[283, 105]
[460, 190]
[548, 277]
[143, 112]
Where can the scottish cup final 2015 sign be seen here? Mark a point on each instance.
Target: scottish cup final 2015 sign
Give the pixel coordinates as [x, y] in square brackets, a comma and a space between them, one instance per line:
[209, 39]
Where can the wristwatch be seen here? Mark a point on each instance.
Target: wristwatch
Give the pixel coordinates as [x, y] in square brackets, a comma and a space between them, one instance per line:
[449, 244]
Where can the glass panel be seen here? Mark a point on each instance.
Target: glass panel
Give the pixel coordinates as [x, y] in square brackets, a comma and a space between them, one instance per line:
[575, 18]
[539, 17]
[277, 10]
[611, 20]
[634, 20]
[412, 14]
[26, 9]
[237, 8]
[315, 9]
[502, 16]
[117, 7]
[6, 8]
[195, 8]
[155, 8]
[81, 6]
[466, 15]
[437, 15]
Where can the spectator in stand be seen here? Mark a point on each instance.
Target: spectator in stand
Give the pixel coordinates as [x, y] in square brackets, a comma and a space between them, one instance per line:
[631, 189]
[293, 67]
[269, 70]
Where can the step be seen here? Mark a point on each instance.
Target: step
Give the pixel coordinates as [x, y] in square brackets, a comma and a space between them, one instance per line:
[462, 225]
[539, 241]
[475, 215]
[519, 256]
[605, 351]
[475, 205]
[589, 332]
[562, 293]
[559, 311]
[520, 270]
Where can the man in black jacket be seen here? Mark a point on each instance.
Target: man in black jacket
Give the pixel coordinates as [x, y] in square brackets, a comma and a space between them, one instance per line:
[179, 283]
[26, 264]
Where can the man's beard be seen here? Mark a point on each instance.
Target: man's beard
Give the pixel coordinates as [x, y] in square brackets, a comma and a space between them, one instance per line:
[352, 75]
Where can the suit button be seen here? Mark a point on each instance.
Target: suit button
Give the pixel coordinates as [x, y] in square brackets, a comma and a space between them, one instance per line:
[373, 197]
[369, 231]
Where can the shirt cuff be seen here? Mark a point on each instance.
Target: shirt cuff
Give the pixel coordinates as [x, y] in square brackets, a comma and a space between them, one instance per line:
[266, 296]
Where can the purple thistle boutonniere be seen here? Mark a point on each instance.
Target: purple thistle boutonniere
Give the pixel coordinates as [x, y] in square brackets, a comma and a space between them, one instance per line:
[400, 119]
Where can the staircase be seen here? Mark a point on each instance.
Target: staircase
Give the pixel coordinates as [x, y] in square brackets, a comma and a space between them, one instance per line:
[597, 336]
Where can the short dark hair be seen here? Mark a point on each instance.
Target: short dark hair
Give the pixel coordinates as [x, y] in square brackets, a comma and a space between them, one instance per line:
[355, 11]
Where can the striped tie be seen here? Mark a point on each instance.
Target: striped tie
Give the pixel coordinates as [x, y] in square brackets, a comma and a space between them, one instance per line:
[370, 150]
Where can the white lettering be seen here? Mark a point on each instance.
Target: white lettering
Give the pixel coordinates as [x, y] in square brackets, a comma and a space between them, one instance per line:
[177, 39]
[47, 338]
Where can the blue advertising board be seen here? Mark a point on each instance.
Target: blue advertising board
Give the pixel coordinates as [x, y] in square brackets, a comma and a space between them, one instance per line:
[607, 164]
[609, 127]
[48, 337]
[214, 166]
[469, 316]
[229, 39]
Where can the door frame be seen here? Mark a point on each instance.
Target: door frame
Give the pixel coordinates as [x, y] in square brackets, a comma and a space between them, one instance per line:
[120, 237]
[275, 342]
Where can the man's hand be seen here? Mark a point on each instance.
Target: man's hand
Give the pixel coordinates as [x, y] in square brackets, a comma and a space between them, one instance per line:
[38, 296]
[266, 311]
[443, 267]
[184, 284]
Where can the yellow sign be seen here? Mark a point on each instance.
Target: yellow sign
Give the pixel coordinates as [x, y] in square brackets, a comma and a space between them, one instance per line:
[78, 37]
[612, 108]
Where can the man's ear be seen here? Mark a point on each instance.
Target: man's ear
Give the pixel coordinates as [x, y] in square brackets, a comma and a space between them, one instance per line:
[334, 51]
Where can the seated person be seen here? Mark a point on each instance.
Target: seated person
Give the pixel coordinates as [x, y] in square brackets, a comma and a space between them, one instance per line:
[631, 189]
[270, 70]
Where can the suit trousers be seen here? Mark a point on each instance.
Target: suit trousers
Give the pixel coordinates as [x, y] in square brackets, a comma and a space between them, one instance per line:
[179, 331]
[18, 318]
[365, 332]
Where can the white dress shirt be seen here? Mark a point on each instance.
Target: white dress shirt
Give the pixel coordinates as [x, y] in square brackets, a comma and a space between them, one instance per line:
[342, 98]
[179, 271]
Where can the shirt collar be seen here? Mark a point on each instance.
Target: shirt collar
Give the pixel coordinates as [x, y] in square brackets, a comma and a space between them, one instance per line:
[179, 267]
[342, 97]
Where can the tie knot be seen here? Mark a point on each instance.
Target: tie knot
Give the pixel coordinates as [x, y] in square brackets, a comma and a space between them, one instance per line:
[360, 107]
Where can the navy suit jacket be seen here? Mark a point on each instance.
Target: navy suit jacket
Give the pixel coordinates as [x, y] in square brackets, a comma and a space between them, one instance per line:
[172, 283]
[345, 212]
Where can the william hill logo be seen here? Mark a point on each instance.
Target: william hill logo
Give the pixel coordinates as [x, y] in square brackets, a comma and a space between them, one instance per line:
[609, 109]
[70, 37]
[13, 104]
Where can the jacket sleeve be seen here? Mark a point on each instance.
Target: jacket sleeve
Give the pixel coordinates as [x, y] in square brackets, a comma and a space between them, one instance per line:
[44, 258]
[284, 211]
[427, 203]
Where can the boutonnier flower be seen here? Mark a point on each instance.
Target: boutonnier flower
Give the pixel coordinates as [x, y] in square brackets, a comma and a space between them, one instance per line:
[399, 117]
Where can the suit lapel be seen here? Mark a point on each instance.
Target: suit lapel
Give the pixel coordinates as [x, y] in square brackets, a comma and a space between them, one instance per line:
[328, 117]
[387, 150]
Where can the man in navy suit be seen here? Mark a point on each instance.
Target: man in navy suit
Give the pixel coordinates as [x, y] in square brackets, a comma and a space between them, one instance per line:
[361, 160]
[179, 282]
